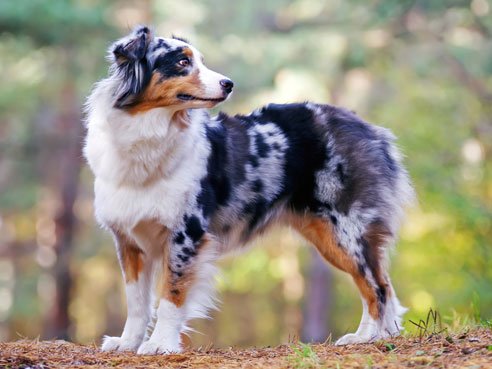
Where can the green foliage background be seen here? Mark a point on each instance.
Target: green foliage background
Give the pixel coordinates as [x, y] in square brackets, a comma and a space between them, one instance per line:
[421, 68]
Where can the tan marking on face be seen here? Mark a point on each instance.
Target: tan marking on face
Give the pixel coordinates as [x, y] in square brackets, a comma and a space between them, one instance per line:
[320, 233]
[162, 93]
[188, 52]
[176, 288]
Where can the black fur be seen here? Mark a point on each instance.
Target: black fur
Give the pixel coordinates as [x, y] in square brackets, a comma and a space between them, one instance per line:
[167, 64]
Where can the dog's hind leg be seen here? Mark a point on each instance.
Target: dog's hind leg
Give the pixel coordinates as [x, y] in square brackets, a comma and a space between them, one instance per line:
[136, 266]
[364, 261]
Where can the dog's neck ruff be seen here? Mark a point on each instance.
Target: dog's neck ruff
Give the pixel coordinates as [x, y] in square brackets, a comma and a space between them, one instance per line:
[135, 150]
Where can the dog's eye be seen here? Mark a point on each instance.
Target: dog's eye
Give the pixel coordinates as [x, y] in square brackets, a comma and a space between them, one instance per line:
[184, 62]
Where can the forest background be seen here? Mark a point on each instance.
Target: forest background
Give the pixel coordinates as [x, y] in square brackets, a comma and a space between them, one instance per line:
[421, 68]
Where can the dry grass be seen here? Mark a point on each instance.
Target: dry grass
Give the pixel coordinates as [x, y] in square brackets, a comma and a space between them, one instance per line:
[470, 349]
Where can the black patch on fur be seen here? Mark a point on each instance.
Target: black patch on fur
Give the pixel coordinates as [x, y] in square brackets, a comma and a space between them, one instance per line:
[258, 210]
[189, 252]
[305, 155]
[341, 175]
[249, 208]
[206, 198]
[253, 160]
[160, 44]
[134, 49]
[327, 206]
[334, 220]
[132, 67]
[381, 292]
[261, 146]
[134, 77]
[194, 228]
[179, 238]
[175, 292]
[226, 164]
[257, 186]
[180, 39]
[178, 274]
[167, 64]
[216, 174]
[237, 141]
[183, 258]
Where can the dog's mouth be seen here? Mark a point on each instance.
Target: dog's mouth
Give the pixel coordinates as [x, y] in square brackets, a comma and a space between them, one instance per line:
[186, 97]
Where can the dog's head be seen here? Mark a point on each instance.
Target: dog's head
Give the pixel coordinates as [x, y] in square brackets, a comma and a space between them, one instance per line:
[154, 72]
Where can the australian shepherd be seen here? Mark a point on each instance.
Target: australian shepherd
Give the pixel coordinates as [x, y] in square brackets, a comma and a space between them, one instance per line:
[178, 189]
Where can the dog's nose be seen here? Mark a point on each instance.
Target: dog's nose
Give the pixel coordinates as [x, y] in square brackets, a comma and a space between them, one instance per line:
[227, 85]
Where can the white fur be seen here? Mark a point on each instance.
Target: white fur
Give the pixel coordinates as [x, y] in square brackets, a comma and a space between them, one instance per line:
[138, 315]
[201, 296]
[166, 337]
[147, 168]
[208, 78]
[370, 330]
[125, 151]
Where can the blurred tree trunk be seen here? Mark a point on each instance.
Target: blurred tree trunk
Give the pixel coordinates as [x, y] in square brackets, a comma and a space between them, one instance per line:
[319, 301]
[67, 160]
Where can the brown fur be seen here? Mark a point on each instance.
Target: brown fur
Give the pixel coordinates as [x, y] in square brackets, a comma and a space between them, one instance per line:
[187, 51]
[163, 92]
[130, 256]
[320, 233]
[176, 287]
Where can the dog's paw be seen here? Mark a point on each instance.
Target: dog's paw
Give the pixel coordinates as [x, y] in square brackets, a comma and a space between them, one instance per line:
[119, 344]
[152, 348]
[352, 338]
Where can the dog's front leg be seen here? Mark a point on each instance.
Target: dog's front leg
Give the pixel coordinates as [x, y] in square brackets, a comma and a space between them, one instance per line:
[181, 263]
[137, 271]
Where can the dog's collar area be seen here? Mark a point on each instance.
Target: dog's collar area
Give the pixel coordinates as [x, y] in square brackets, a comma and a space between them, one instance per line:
[187, 97]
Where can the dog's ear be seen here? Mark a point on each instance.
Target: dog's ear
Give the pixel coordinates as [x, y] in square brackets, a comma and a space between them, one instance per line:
[132, 47]
[131, 66]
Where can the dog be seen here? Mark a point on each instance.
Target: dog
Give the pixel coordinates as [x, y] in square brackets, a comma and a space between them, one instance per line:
[178, 189]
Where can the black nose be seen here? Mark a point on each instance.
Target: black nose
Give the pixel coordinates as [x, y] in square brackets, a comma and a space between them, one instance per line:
[227, 85]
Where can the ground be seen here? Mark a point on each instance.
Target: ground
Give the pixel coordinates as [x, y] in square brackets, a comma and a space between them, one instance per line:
[468, 349]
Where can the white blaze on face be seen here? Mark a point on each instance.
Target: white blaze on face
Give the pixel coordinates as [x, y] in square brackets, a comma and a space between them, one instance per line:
[209, 79]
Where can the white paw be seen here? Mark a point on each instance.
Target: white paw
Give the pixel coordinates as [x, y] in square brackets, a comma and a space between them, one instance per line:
[152, 348]
[352, 338]
[119, 344]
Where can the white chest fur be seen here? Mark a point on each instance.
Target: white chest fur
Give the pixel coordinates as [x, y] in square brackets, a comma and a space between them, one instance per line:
[145, 165]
